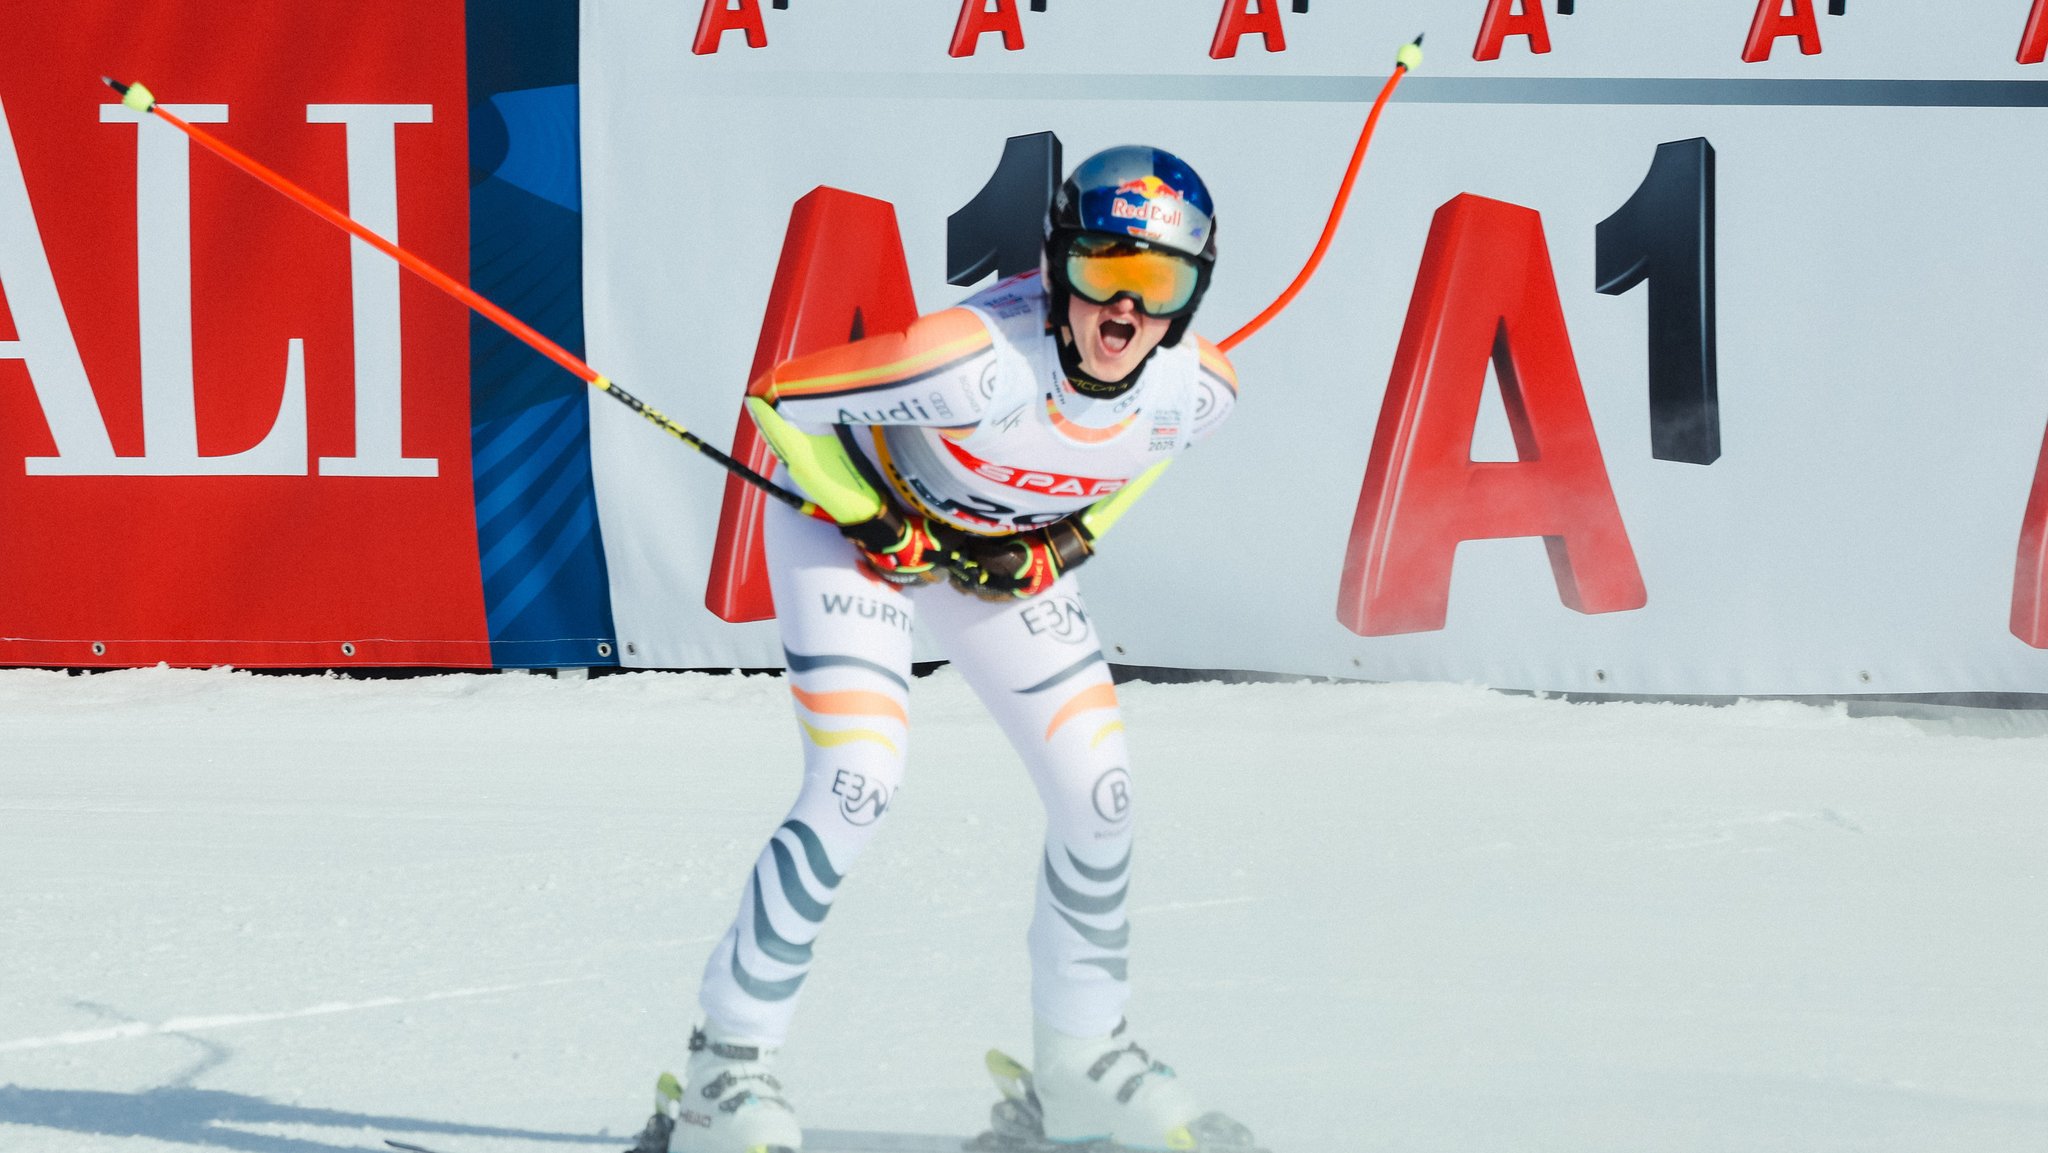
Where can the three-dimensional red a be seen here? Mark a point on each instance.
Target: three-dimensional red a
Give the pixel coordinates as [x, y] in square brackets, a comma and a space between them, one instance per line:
[1505, 18]
[1486, 292]
[2030, 578]
[722, 16]
[1241, 19]
[1772, 21]
[842, 275]
[976, 18]
[2034, 41]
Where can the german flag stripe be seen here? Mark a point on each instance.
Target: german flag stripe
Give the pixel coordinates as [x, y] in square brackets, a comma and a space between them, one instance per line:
[935, 344]
[1217, 365]
[1083, 433]
[1068, 673]
[1102, 696]
[852, 703]
[828, 739]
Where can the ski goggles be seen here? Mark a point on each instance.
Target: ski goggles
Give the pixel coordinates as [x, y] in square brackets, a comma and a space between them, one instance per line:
[1162, 283]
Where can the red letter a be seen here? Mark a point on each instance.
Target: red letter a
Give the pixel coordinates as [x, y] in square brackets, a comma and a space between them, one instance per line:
[842, 276]
[2030, 581]
[1486, 290]
[720, 17]
[1238, 21]
[2034, 42]
[976, 17]
[1501, 23]
[1772, 21]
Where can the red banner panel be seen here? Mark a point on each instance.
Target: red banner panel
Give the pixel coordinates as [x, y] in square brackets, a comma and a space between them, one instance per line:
[228, 433]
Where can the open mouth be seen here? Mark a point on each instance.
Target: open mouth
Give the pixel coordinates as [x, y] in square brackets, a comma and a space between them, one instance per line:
[1117, 336]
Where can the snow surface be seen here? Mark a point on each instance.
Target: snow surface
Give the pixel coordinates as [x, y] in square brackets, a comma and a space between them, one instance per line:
[300, 915]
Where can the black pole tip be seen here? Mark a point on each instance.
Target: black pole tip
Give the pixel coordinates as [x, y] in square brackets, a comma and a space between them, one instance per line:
[114, 84]
[1418, 38]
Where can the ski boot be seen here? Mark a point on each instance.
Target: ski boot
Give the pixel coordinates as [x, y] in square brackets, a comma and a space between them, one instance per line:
[732, 1103]
[1100, 1094]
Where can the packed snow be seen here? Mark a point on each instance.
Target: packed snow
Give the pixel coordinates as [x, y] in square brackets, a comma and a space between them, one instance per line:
[303, 915]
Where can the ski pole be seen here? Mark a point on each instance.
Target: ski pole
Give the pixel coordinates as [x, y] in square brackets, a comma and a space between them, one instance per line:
[1409, 58]
[140, 99]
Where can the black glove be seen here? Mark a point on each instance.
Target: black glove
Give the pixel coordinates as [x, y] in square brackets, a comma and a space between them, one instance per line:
[1018, 566]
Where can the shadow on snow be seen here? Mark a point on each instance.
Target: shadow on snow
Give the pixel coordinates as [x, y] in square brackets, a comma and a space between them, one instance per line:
[208, 1117]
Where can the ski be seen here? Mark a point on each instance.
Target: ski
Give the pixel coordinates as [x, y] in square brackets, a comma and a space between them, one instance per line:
[668, 1109]
[1017, 1125]
[815, 1141]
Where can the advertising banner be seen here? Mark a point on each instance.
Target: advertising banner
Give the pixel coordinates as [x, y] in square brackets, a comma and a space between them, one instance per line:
[231, 434]
[1680, 350]
[1665, 348]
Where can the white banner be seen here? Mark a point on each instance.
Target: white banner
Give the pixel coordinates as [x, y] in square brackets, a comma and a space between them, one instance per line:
[1836, 508]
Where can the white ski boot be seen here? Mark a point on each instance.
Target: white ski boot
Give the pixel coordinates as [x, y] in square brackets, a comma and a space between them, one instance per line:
[1101, 1093]
[731, 1103]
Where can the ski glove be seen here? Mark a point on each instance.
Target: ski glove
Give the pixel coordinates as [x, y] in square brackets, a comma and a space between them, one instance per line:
[900, 549]
[1019, 566]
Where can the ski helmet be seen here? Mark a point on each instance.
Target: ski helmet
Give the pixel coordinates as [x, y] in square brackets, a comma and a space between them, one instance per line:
[1145, 198]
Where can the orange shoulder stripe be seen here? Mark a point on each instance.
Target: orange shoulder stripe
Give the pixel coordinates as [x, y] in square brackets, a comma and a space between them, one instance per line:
[931, 343]
[1214, 360]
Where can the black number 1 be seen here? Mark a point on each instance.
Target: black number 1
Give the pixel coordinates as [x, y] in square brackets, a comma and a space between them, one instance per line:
[1665, 235]
[1002, 229]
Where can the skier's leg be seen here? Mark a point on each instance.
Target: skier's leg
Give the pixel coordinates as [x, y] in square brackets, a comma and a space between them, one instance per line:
[846, 637]
[1038, 667]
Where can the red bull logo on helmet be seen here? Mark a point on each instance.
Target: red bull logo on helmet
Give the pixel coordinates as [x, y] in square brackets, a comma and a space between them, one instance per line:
[1150, 187]
[1149, 201]
[1146, 213]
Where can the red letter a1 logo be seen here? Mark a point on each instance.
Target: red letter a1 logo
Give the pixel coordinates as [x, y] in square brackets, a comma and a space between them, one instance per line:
[228, 433]
[1486, 292]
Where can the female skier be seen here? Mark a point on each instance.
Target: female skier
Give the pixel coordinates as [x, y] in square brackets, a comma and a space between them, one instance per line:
[978, 452]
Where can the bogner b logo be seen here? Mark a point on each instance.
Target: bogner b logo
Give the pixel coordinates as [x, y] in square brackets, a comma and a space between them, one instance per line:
[163, 225]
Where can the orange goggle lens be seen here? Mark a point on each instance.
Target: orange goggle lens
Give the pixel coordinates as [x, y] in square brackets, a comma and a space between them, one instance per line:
[1162, 282]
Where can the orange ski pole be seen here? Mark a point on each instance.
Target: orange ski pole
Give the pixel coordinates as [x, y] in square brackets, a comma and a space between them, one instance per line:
[1410, 58]
[141, 100]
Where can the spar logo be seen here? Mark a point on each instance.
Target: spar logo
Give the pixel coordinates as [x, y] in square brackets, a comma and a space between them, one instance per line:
[1034, 480]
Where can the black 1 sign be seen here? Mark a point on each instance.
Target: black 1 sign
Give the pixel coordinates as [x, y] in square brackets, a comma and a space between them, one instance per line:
[1665, 235]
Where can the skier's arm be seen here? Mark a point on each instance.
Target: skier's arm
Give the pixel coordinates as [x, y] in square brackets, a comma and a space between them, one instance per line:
[930, 374]
[1216, 384]
[927, 374]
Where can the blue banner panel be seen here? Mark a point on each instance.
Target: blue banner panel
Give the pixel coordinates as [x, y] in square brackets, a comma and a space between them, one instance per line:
[545, 589]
